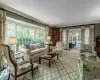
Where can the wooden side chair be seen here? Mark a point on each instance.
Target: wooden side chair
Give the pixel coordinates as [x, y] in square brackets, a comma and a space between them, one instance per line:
[16, 70]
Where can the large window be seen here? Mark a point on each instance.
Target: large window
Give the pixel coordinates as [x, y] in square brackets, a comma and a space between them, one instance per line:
[25, 34]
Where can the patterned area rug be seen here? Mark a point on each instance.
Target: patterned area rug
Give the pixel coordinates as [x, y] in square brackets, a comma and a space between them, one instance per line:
[63, 69]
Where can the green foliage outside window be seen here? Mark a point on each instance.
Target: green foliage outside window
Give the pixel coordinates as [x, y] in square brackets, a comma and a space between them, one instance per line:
[25, 35]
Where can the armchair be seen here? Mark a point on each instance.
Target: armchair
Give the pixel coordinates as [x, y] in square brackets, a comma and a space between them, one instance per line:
[16, 70]
[58, 48]
[85, 48]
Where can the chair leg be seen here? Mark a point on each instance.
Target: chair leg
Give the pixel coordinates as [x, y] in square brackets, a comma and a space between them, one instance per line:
[15, 75]
[32, 71]
[57, 56]
[37, 68]
[49, 63]
[15, 78]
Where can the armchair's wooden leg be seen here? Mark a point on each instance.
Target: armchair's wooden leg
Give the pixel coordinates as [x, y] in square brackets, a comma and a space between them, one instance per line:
[39, 60]
[16, 74]
[37, 68]
[49, 63]
[15, 78]
[32, 71]
[57, 56]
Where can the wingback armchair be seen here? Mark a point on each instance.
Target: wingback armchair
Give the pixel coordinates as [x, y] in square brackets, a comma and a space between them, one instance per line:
[58, 48]
[16, 70]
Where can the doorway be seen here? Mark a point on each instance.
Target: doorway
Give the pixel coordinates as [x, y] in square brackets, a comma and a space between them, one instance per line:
[75, 38]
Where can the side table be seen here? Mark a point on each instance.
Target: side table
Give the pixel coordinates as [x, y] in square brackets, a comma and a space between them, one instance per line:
[4, 74]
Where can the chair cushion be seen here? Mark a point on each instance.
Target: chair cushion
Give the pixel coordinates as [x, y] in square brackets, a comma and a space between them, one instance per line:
[22, 47]
[23, 67]
[27, 66]
[42, 49]
[35, 65]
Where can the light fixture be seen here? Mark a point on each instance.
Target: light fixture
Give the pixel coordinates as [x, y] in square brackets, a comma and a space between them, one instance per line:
[48, 38]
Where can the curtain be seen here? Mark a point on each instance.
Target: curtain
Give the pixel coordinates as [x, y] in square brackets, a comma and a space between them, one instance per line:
[2, 28]
[82, 38]
[91, 39]
[47, 32]
[2, 36]
[67, 38]
[61, 35]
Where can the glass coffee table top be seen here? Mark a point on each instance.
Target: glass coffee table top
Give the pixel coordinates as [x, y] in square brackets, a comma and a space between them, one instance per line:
[4, 74]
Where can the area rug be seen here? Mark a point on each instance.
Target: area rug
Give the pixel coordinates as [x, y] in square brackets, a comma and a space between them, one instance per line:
[63, 69]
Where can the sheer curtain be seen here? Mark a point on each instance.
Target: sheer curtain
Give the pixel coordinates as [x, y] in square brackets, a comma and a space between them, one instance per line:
[2, 37]
[87, 36]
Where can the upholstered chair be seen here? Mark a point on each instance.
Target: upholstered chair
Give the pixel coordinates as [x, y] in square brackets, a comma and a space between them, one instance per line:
[58, 48]
[27, 57]
[86, 48]
[16, 70]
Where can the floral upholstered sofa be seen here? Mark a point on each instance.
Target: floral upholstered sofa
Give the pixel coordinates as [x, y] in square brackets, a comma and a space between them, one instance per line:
[33, 50]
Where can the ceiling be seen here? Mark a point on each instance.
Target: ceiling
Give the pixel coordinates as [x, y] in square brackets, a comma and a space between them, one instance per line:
[61, 13]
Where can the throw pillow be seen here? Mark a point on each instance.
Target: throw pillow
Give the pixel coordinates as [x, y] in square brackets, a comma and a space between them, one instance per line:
[27, 46]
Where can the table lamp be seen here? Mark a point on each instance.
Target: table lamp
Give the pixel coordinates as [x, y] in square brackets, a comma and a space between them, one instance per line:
[12, 41]
[48, 38]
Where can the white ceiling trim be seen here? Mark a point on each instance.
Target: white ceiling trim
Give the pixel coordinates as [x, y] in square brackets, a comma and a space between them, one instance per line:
[22, 23]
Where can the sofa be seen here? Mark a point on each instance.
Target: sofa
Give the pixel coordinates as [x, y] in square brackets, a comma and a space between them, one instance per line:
[33, 50]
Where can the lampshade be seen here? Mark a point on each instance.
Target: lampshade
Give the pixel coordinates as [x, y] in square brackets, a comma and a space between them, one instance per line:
[12, 40]
[49, 42]
[48, 37]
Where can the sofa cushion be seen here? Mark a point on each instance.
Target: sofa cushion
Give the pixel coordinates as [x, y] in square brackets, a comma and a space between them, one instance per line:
[37, 51]
[27, 46]
[22, 47]
[42, 49]
[34, 46]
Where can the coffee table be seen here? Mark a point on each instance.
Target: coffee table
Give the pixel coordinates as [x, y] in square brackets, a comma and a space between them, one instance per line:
[4, 74]
[49, 57]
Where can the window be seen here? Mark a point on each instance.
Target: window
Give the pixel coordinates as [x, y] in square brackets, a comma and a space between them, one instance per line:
[10, 31]
[25, 34]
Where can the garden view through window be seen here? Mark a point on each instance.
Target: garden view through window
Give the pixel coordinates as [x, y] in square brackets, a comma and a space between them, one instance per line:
[25, 34]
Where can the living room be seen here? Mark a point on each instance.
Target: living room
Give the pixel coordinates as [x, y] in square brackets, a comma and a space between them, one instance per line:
[49, 40]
